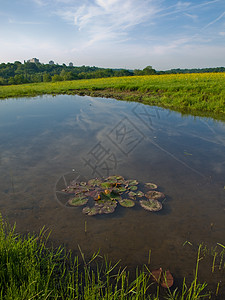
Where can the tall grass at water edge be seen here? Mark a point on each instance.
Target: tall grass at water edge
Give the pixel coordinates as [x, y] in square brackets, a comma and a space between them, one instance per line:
[183, 92]
[31, 270]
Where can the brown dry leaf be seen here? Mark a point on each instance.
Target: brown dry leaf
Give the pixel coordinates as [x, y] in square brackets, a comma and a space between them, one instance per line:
[167, 279]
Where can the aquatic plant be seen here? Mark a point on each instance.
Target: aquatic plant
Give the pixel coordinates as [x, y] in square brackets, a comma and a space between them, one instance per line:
[154, 195]
[165, 279]
[151, 186]
[151, 204]
[78, 201]
[126, 203]
[30, 269]
[102, 195]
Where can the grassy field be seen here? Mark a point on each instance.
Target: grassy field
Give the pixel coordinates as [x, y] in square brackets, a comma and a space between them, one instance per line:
[187, 93]
[31, 270]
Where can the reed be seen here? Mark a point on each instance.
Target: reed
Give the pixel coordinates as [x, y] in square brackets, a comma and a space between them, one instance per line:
[31, 270]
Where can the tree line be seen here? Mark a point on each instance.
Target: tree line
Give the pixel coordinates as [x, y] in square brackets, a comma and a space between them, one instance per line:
[29, 72]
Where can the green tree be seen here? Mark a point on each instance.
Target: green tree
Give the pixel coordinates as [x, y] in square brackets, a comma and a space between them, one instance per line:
[46, 77]
[56, 78]
[149, 71]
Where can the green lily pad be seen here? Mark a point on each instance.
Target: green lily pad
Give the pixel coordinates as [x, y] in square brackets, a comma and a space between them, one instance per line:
[91, 211]
[151, 204]
[106, 185]
[126, 202]
[105, 207]
[140, 194]
[78, 201]
[69, 190]
[118, 177]
[86, 210]
[151, 186]
[154, 195]
[132, 182]
[114, 196]
[133, 188]
[132, 194]
[112, 179]
[121, 189]
[94, 182]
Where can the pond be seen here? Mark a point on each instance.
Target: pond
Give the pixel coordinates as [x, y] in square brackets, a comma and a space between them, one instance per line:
[45, 140]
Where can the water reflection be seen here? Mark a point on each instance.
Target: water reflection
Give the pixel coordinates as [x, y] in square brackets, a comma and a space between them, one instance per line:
[44, 138]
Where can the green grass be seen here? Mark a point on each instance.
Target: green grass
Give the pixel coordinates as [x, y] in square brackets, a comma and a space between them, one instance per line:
[187, 93]
[31, 270]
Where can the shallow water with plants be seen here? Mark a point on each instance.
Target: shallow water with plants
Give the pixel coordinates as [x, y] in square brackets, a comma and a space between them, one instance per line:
[48, 142]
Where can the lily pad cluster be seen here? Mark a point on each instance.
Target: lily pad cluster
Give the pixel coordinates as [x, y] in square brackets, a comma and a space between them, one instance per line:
[103, 195]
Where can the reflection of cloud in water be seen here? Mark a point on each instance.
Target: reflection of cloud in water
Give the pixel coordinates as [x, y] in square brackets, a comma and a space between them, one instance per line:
[219, 138]
[99, 115]
[31, 116]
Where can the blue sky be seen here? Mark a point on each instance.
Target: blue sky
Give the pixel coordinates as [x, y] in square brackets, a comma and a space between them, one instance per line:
[114, 33]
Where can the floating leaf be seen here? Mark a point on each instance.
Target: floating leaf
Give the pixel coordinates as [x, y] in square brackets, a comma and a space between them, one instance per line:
[81, 189]
[69, 190]
[119, 178]
[78, 201]
[133, 188]
[91, 211]
[94, 182]
[151, 205]
[93, 194]
[106, 184]
[151, 186]
[140, 194]
[155, 195]
[126, 202]
[86, 210]
[106, 207]
[121, 189]
[114, 196]
[132, 182]
[132, 194]
[104, 197]
[107, 210]
[167, 279]
[108, 191]
[156, 275]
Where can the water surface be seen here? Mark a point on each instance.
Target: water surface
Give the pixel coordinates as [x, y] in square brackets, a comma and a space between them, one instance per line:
[45, 138]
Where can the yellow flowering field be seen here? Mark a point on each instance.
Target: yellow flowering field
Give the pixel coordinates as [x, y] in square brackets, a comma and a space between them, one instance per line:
[197, 92]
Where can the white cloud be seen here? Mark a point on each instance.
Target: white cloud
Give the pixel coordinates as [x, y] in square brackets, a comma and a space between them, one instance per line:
[215, 20]
[191, 16]
[13, 21]
[40, 2]
[182, 5]
[109, 19]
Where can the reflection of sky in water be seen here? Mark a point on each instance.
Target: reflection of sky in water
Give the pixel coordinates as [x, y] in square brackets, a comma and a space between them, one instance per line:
[43, 138]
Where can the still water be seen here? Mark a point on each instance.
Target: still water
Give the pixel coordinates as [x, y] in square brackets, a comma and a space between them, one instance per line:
[45, 139]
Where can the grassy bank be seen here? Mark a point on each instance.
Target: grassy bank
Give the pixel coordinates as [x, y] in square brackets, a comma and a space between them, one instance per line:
[191, 93]
[30, 270]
